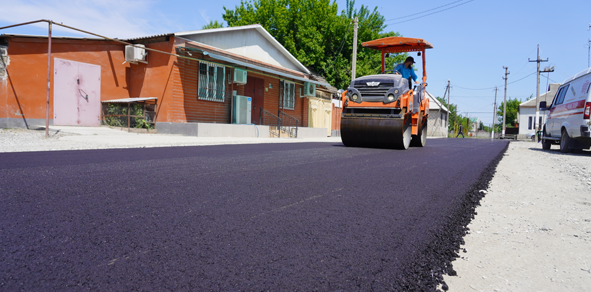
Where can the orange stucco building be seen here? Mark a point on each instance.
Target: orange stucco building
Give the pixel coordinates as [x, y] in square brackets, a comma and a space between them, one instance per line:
[194, 86]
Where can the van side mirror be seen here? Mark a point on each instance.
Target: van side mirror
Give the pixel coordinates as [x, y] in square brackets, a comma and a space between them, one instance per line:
[543, 106]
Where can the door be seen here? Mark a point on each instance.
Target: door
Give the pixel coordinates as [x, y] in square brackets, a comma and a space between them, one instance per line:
[556, 115]
[76, 94]
[255, 88]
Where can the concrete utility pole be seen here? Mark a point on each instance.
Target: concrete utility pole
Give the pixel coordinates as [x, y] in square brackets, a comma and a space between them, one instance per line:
[48, 80]
[492, 133]
[503, 126]
[536, 123]
[355, 26]
[448, 91]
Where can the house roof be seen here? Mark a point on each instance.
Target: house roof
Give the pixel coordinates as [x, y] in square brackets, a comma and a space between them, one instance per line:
[264, 69]
[547, 97]
[259, 29]
[435, 104]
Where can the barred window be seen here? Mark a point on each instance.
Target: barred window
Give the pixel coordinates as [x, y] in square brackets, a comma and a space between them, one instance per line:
[288, 95]
[212, 85]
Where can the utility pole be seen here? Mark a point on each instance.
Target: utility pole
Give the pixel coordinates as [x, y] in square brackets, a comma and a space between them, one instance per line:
[503, 126]
[355, 25]
[492, 133]
[536, 123]
[448, 92]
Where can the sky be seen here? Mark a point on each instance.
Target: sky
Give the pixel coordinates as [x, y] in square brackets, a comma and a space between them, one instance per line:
[472, 39]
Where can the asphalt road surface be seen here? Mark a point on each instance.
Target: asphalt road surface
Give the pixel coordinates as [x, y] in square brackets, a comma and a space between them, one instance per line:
[267, 217]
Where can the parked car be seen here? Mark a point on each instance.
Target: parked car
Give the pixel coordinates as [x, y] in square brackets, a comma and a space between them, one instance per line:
[569, 114]
[531, 136]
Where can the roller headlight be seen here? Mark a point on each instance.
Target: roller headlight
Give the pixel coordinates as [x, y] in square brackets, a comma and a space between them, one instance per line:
[396, 91]
[354, 97]
[391, 97]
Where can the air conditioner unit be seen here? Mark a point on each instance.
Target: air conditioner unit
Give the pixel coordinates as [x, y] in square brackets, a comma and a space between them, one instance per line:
[133, 54]
[239, 76]
[242, 109]
[309, 89]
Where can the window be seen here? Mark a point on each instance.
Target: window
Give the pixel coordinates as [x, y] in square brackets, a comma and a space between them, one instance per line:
[212, 85]
[560, 95]
[529, 123]
[288, 95]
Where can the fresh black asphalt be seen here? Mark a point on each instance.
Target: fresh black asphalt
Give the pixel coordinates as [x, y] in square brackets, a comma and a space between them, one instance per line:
[266, 217]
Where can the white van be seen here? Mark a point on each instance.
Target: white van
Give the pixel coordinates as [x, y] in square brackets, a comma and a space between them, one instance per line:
[568, 120]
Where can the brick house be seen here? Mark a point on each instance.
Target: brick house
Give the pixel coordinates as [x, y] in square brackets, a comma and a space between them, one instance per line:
[198, 86]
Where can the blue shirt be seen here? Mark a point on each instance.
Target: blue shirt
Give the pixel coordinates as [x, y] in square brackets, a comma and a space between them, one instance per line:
[406, 72]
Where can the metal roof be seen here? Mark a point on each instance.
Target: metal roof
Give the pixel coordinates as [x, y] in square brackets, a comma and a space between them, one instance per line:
[436, 104]
[261, 30]
[151, 36]
[131, 99]
[286, 75]
[548, 97]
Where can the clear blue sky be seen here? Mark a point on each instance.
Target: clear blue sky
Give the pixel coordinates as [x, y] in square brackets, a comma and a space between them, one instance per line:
[472, 41]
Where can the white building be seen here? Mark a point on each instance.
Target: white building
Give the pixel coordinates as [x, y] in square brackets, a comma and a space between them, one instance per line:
[527, 111]
[438, 118]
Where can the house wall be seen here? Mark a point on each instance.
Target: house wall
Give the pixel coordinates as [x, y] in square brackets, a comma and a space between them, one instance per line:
[173, 80]
[437, 123]
[186, 107]
[23, 93]
[336, 120]
[524, 115]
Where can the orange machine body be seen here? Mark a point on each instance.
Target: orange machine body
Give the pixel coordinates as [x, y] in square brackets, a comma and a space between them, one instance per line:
[400, 45]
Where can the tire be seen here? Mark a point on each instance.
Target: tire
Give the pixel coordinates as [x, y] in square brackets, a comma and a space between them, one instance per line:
[420, 139]
[565, 142]
[546, 145]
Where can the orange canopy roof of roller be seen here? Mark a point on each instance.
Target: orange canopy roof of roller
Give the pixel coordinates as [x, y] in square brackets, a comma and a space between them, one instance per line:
[398, 44]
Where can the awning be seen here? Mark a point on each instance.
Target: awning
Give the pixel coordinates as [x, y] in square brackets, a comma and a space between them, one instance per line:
[131, 99]
[230, 60]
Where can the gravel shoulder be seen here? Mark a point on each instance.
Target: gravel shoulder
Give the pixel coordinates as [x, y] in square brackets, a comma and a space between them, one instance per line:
[532, 230]
[75, 138]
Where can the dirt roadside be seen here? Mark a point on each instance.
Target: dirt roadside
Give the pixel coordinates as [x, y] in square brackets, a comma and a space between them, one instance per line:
[532, 231]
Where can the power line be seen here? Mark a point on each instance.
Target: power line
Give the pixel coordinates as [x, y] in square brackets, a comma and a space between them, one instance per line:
[424, 11]
[474, 88]
[488, 88]
[522, 78]
[432, 13]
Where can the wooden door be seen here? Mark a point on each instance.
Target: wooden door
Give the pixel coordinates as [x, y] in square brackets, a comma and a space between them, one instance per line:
[255, 88]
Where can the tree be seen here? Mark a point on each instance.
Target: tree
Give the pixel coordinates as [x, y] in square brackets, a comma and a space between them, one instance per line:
[512, 110]
[454, 120]
[318, 35]
[213, 24]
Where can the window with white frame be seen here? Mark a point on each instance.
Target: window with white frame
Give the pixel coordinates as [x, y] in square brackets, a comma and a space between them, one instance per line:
[288, 95]
[529, 123]
[212, 85]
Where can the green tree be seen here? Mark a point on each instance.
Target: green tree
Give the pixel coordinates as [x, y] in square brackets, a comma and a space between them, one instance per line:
[454, 119]
[318, 35]
[213, 24]
[511, 115]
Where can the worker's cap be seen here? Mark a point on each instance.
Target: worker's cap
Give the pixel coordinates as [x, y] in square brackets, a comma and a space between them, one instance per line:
[411, 59]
